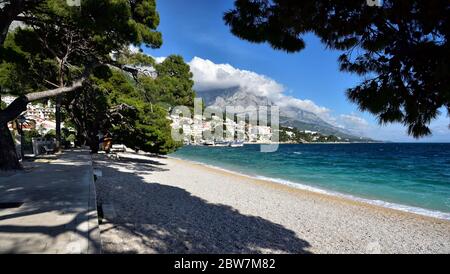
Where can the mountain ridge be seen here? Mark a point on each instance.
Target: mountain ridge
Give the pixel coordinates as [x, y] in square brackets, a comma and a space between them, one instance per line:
[290, 116]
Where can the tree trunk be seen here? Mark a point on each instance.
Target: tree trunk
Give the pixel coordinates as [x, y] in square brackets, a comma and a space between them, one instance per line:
[8, 154]
[93, 143]
[22, 138]
[58, 122]
[9, 12]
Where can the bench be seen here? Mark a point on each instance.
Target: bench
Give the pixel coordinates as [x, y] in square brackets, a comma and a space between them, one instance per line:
[47, 150]
[118, 148]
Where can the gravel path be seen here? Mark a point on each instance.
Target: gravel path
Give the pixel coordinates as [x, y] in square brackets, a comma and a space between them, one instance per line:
[163, 205]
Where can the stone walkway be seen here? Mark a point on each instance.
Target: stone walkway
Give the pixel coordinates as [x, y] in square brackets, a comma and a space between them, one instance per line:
[58, 214]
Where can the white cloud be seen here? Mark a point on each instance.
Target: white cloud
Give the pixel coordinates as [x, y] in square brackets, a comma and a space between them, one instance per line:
[352, 121]
[306, 105]
[159, 60]
[208, 75]
[134, 49]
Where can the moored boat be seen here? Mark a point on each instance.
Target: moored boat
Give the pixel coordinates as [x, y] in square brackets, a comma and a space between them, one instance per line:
[222, 144]
[237, 144]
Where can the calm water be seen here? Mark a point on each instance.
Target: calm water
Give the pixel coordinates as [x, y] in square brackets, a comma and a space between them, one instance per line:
[414, 175]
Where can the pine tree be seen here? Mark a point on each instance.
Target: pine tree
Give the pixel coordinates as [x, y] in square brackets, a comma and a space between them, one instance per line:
[70, 42]
[402, 48]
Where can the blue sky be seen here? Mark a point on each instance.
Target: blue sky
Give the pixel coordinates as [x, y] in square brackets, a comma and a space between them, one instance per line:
[195, 29]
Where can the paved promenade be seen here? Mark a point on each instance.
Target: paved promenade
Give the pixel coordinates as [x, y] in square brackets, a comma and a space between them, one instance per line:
[58, 214]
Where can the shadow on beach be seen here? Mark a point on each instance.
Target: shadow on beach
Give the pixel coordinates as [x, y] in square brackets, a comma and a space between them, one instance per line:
[154, 218]
[51, 208]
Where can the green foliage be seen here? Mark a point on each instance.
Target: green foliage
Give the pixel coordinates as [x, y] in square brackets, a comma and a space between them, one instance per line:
[70, 138]
[23, 71]
[152, 131]
[50, 134]
[126, 57]
[117, 104]
[87, 109]
[30, 134]
[67, 136]
[146, 126]
[173, 86]
[108, 24]
[402, 48]
[63, 40]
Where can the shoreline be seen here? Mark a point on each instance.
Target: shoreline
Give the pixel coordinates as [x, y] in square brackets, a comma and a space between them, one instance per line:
[155, 204]
[380, 204]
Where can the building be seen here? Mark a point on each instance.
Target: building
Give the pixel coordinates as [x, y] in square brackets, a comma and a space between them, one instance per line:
[38, 116]
[199, 130]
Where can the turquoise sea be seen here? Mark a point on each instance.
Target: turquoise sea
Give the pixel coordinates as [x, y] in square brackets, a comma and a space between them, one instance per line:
[410, 177]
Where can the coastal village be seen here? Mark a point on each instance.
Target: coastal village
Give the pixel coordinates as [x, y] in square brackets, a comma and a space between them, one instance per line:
[200, 131]
[39, 118]
[128, 127]
[196, 130]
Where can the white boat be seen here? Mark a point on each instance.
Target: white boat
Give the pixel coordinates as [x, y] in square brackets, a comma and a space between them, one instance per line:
[222, 144]
[237, 144]
[208, 143]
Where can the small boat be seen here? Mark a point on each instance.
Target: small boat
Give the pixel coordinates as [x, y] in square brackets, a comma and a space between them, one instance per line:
[221, 144]
[237, 144]
[208, 143]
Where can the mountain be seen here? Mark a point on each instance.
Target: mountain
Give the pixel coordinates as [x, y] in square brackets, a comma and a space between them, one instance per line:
[290, 116]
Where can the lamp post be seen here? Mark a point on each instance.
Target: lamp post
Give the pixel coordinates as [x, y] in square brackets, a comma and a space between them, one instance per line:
[21, 120]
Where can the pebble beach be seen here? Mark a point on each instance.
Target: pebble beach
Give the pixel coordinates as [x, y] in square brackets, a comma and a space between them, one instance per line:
[155, 204]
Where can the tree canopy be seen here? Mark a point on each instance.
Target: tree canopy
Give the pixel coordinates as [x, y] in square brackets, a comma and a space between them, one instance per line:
[73, 37]
[58, 46]
[401, 48]
[174, 83]
[133, 109]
